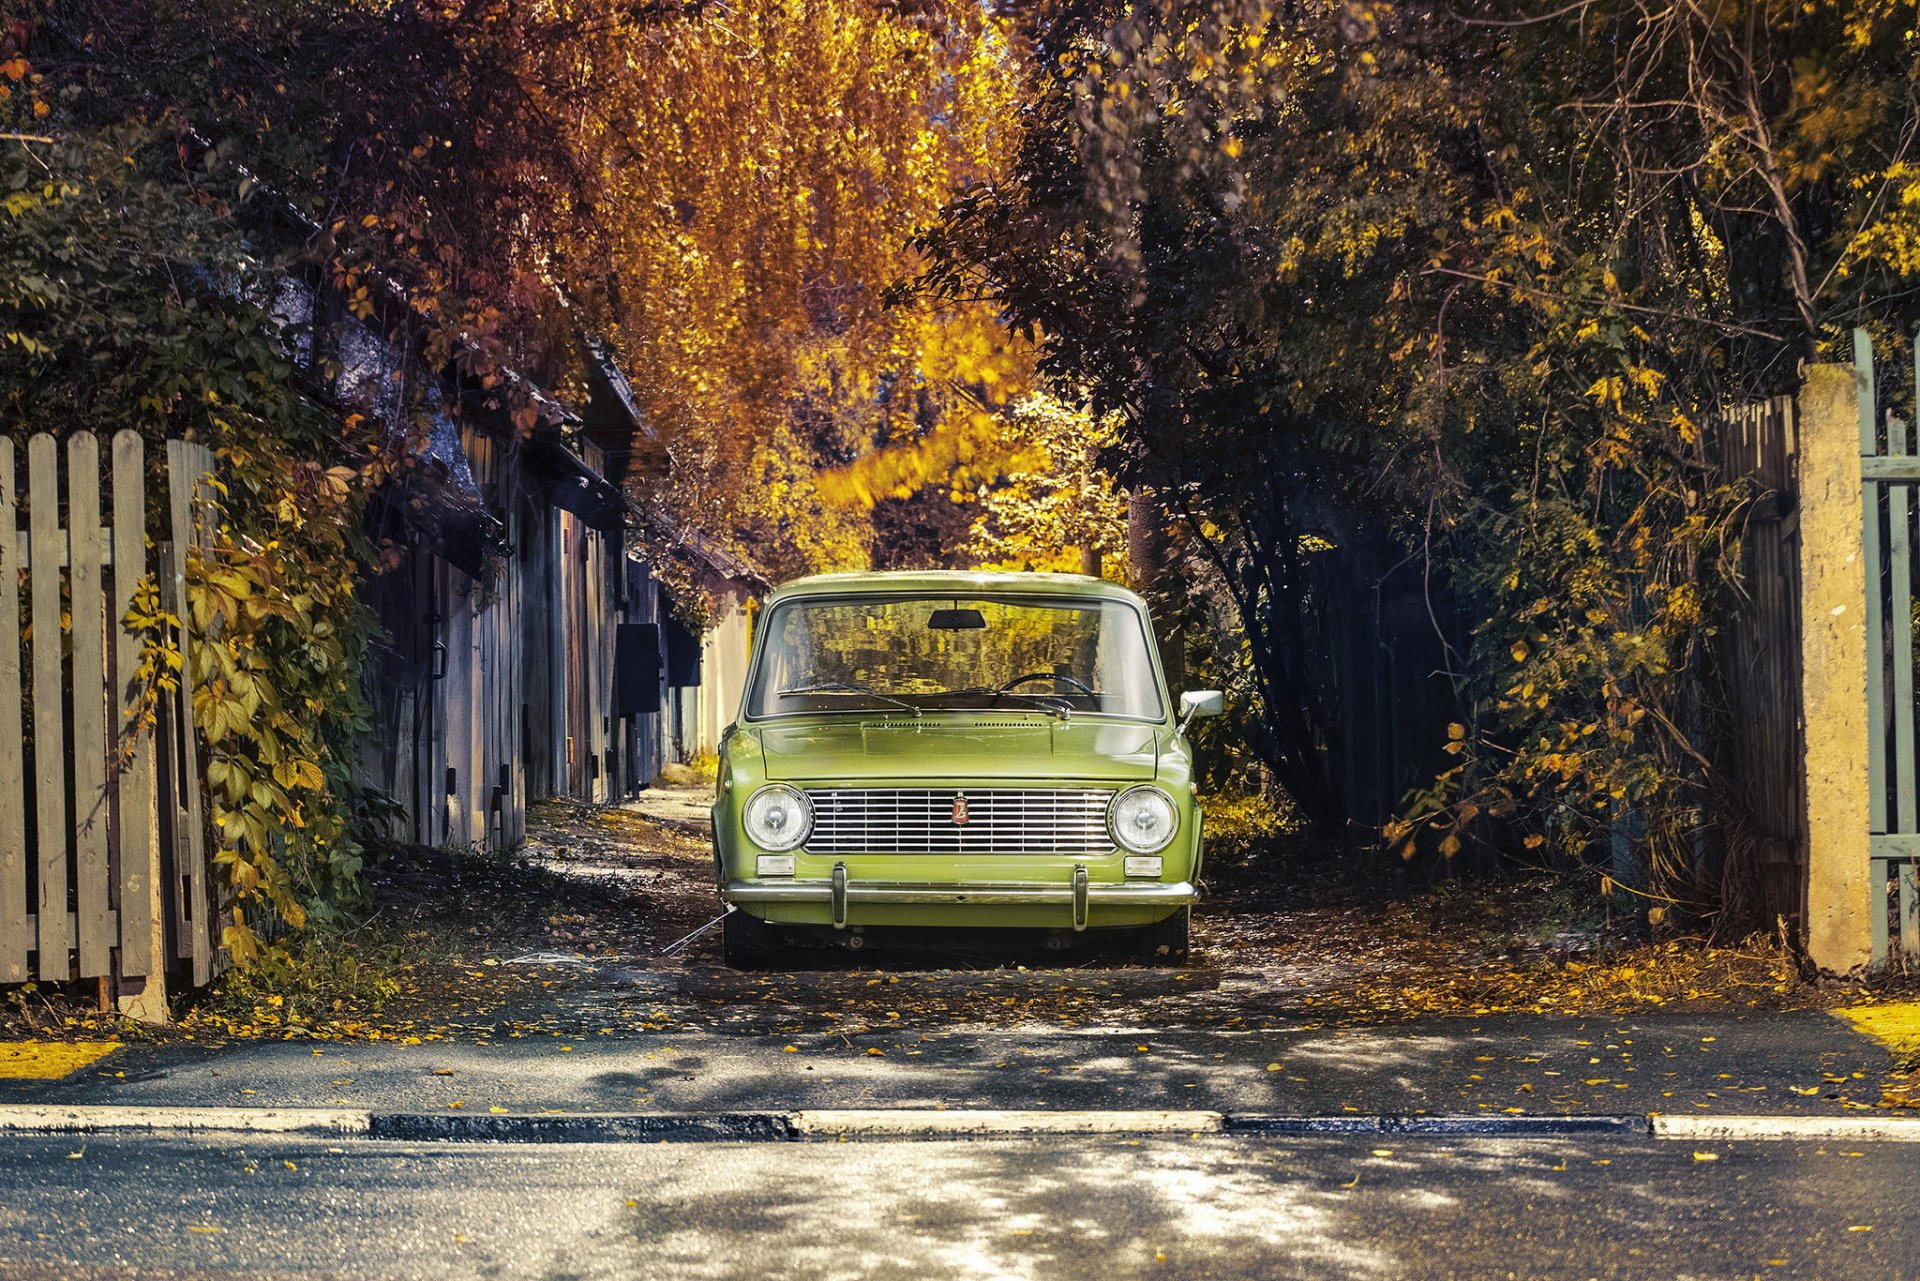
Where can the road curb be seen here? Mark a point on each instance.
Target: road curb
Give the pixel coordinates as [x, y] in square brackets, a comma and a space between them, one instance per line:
[890, 1123]
[90, 1118]
[583, 1127]
[1857, 1129]
[1466, 1125]
[913, 1123]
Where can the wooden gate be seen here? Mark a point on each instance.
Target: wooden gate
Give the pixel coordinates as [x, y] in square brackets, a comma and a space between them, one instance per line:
[103, 843]
[1889, 470]
[1759, 650]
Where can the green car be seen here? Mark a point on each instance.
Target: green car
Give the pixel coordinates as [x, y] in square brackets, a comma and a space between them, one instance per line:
[957, 749]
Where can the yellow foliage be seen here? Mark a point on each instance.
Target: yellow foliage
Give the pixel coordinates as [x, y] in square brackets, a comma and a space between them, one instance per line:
[768, 165]
[1896, 1023]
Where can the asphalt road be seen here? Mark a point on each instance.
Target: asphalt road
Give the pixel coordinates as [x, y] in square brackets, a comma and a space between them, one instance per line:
[1054, 1209]
[1661, 1061]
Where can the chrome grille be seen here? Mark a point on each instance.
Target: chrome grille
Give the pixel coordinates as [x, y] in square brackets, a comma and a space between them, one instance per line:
[919, 820]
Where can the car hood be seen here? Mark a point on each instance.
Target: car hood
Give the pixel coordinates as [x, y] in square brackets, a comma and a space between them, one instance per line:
[934, 748]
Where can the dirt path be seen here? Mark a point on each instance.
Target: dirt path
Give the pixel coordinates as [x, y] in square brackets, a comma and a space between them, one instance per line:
[576, 932]
[600, 895]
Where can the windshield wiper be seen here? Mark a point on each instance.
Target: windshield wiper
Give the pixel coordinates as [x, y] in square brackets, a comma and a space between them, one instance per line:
[1052, 704]
[845, 687]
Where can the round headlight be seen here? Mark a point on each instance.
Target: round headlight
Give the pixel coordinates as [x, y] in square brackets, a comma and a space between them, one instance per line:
[777, 818]
[1143, 820]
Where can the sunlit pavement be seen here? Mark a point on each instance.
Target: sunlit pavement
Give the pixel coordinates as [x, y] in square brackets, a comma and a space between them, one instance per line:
[1043, 1208]
[1782, 1062]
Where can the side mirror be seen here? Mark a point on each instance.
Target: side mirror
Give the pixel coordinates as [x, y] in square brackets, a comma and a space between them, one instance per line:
[1196, 703]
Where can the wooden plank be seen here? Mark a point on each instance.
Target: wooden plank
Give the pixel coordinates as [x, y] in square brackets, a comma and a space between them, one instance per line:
[1864, 387]
[459, 690]
[92, 880]
[50, 717]
[1909, 911]
[441, 594]
[134, 796]
[506, 687]
[492, 793]
[600, 687]
[480, 786]
[169, 802]
[515, 801]
[472, 744]
[206, 897]
[105, 540]
[557, 570]
[576, 740]
[186, 464]
[1901, 816]
[1894, 466]
[15, 938]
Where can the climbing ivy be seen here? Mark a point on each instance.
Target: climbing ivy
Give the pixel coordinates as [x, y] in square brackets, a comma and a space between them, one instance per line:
[127, 301]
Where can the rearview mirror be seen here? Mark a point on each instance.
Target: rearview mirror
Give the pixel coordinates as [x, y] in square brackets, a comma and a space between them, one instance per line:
[1196, 703]
[957, 620]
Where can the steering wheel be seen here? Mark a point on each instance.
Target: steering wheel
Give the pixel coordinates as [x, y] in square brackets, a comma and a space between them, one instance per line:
[1074, 681]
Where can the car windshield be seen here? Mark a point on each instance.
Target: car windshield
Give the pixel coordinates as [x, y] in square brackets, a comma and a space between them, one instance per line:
[912, 654]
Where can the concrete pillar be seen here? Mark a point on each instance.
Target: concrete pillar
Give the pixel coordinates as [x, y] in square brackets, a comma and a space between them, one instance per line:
[1833, 679]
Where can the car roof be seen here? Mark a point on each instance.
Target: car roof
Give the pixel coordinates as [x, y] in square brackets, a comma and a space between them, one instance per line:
[962, 582]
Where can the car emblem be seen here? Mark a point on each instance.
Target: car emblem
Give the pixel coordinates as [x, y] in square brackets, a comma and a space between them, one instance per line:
[960, 810]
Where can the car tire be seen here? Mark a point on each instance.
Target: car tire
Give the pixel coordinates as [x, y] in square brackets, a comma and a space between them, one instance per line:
[746, 941]
[1167, 942]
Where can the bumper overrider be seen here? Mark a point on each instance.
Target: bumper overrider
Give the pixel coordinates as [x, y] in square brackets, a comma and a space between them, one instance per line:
[1080, 893]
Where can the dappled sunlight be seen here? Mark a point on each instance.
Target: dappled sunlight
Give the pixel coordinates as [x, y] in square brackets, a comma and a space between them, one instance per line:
[995, 1211]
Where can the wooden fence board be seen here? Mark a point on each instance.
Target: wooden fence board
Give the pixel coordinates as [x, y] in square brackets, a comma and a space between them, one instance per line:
[1909, 910]
[458, 691]
[1900, 615]
[88, 759]
[13, 799]
[91, 864]
[134, 799]
[186, 464]
[1758, 654]
[49, 722]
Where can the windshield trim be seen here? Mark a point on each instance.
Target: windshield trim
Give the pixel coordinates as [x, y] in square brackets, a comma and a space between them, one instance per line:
[1076, 599]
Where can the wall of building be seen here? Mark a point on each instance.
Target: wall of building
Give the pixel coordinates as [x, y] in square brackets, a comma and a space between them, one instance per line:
[723, 672]
[497, 691]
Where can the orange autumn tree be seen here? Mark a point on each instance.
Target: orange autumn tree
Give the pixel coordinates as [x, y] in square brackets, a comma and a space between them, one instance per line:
[766, 167]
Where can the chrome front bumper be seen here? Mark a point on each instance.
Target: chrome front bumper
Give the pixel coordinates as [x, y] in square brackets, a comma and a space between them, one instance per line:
[1080, 894]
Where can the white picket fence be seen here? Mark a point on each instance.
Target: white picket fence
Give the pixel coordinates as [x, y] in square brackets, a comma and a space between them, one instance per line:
[103, 869]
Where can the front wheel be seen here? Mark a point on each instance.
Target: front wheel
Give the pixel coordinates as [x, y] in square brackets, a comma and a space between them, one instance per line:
[1166, 942]
[746, 941]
